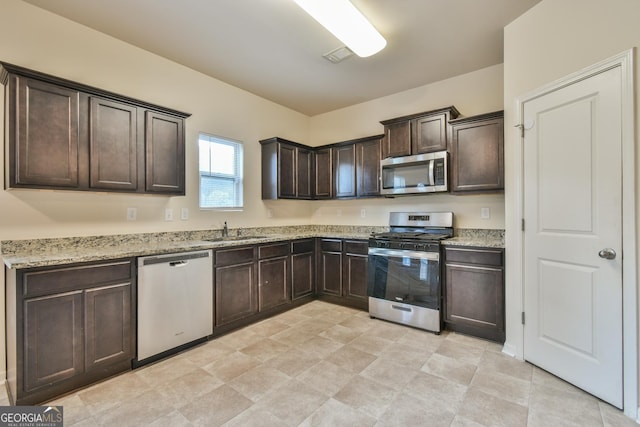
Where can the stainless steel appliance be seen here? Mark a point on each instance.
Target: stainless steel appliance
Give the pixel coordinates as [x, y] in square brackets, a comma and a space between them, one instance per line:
[422, 173]
[175, 303]
[404, 274]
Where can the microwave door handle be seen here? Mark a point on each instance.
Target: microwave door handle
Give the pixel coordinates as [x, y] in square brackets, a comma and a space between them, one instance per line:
[432, 179]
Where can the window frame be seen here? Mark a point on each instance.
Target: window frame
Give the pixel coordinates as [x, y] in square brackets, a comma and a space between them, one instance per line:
[237, 179]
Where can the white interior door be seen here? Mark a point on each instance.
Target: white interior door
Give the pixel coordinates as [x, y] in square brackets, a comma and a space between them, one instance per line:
[573, 225]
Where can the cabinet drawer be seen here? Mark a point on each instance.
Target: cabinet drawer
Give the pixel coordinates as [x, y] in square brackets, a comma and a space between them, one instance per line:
[269, 251]
[234, 256]
[55, 280]
[356, 247]
[302, 246]
[329, 245]
[481, 256]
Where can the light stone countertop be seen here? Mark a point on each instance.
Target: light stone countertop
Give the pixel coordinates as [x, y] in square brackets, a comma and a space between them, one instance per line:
[19, 254]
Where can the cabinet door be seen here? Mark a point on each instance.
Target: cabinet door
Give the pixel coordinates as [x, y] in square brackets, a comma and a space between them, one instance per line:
[355, 276]
[429, 134]
[287, 173]
[477, 155]
[344, 159]
[235, 292]
[323, 173]
[44, 143]
[53, 334]
[304, 175]
[164, 143]
[330, 273]
[397, 139]
[108, 325]
[113, 161]
[356, 262]
[302, 275]
[368, 168]
[475, 300]
[273, 282]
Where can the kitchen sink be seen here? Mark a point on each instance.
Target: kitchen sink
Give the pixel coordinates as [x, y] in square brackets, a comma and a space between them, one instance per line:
[234, 238]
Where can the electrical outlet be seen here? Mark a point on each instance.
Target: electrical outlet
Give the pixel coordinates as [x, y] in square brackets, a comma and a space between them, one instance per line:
[132, 214]
[168, 214]
[269, 213]
[184, 214]
[485, 213]
[339, 212]
[363, 213]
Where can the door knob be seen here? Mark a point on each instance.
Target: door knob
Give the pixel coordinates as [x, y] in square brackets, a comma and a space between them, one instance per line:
[607, 253]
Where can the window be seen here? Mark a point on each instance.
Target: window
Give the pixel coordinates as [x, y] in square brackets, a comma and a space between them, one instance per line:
[220, 172]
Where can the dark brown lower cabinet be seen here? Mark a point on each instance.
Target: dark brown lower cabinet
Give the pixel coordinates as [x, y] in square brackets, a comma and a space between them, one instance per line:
[236, 295]
[273, 276]
[342, 272]
[329, 267]
[355, 264]
[68, 327]
[474, 291]
[302, 268]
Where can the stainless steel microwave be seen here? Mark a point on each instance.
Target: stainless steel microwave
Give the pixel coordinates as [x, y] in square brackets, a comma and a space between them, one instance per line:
[422, 173]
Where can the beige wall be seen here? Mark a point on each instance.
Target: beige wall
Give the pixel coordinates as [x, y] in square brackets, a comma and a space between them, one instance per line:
[36, 39]
[473, 93]
[550, 41]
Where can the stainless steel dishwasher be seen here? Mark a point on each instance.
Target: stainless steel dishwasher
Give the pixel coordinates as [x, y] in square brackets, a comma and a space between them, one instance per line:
[175, 303]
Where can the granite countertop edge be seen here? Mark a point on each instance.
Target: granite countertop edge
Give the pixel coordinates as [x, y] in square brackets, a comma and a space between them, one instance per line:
[31, 256]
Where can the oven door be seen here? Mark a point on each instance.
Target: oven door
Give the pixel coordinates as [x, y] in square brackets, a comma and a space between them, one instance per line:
[410, 277]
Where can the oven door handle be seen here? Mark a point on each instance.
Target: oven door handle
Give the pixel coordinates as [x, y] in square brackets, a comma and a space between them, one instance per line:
[399, 253]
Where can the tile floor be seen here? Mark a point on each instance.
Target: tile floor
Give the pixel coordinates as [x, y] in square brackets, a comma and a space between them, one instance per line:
[326, 365]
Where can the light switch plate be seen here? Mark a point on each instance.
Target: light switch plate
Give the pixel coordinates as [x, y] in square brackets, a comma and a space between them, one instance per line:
[485, 213]
[168, 214]
[184, 214]
[132, 214]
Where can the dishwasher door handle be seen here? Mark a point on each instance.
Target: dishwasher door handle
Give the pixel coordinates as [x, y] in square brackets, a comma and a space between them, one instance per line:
[178, 263]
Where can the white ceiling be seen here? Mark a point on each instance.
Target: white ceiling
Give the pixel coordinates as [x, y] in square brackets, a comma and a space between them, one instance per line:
[273, 49]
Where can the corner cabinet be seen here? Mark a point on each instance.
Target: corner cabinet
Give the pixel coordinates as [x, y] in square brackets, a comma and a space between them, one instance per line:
[287, 170]
[68, 136]
[477, 153]
[67, 327]
[342, 271]
[474, 291]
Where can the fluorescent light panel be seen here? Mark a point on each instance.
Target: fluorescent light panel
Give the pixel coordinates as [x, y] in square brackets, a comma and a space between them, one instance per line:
[346, 22]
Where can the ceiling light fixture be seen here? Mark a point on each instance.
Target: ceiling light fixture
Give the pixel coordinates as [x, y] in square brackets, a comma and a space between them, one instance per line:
[345, 22]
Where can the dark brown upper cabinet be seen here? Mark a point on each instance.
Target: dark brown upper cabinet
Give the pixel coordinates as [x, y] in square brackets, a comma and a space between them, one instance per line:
[417, 133]
[66, 135]
[357, 167]
[287, 169]
[113, 145]
[344, 160]
[345, 169]
[368, 166]
[477, 153]
[39, 154]
[323, 173]
[164, 142]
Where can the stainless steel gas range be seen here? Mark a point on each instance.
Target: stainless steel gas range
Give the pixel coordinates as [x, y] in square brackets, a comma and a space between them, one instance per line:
[404, 277]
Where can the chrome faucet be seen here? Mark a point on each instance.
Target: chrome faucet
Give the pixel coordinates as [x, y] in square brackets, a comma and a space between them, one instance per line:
[225, 230]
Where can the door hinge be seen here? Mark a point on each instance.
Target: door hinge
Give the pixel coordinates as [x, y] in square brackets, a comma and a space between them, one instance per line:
[523, 317]
[522, 224]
